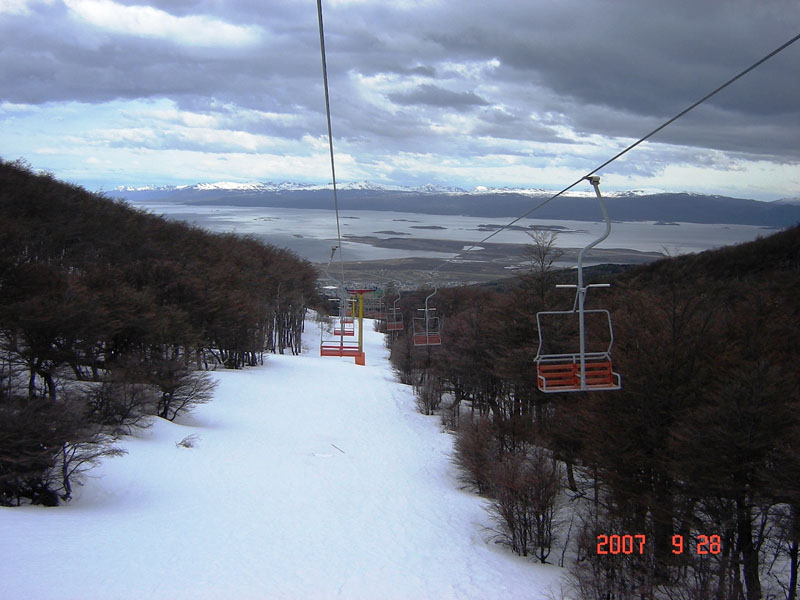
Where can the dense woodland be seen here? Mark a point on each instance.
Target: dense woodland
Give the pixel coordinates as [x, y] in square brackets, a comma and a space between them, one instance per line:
[109, 314]
[702, 441]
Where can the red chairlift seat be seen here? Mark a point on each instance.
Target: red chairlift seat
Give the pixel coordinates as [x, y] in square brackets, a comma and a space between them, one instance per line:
[339, 348]
[561, 372]
[566, 376]
[346, 326]
[394, 321]
[427, 339]
[426, 331]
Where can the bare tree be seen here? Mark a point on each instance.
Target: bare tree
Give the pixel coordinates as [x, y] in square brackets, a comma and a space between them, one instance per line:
[541, 255]
[525, 486]
[475, 452]
[180, 386]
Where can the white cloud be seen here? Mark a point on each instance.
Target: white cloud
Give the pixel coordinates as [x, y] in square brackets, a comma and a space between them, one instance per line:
[399, 4]
[725, 177]
[173, 115]
[10, 108]
[20, 7]
[474, 69]
[146, 21]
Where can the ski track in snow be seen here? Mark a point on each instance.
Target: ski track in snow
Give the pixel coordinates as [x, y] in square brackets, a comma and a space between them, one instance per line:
[311, 478]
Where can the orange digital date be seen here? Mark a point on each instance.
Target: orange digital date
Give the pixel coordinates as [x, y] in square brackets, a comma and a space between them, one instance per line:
[634, 544]
[706, 544]
[621, 544]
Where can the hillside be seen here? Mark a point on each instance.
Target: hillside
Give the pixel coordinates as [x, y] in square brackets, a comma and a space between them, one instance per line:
[109, 315]
[698, 447]
[773, 259]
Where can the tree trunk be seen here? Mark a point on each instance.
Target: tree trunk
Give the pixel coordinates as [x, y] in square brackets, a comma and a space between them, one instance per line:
[51, 385]
[663, 514]
[573, 486]
[749, 553]
[793, 564]
[32, 383]
[794, 553]
[65, 474]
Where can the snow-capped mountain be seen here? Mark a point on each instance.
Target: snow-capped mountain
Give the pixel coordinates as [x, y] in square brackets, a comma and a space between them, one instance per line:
[576, 204]
[289, 186]
[428, 188]
[250, 186]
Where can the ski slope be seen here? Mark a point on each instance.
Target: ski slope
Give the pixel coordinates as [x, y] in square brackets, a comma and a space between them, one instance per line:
[311, 478]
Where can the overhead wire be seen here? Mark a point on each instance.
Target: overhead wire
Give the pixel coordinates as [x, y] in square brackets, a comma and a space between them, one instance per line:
[626, 150]
[330, 135]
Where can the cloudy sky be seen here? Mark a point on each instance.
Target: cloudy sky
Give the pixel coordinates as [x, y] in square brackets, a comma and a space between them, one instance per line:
[519, 93]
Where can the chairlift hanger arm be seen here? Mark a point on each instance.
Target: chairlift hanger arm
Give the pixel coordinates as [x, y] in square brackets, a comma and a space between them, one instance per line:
[595, 181]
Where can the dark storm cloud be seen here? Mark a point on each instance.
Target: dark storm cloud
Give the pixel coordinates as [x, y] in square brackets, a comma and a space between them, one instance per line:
[513, 71]
[55, 57]
[433, 95]
[646, 58]
[496, 123]
[643, 57]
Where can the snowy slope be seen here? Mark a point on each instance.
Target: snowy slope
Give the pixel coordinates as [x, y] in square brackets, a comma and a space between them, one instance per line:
[312, 478]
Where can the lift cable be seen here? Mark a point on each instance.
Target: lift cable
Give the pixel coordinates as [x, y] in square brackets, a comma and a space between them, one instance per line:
[626, 150]
[330, 135]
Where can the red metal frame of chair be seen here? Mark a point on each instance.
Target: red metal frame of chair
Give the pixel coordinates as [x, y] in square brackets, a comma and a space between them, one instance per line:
[426, 331]
[346, 326]
[337, 348]
[562, 373]
[396, 325]
[427, 339]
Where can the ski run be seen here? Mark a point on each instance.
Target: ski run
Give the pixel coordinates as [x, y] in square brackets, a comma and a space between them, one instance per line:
[307, 478]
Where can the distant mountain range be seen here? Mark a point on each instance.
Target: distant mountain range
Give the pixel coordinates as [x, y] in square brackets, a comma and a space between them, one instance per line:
[481, 202]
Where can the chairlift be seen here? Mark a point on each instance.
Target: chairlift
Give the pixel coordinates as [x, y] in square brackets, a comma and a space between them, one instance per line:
[426, 331]
[585, 369]
[351, 311]
[345, 326]
[374, 308]
[394, 318]
[339, 348]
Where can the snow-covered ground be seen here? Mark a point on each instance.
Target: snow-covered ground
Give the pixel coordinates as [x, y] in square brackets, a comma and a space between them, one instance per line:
[311, 478]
